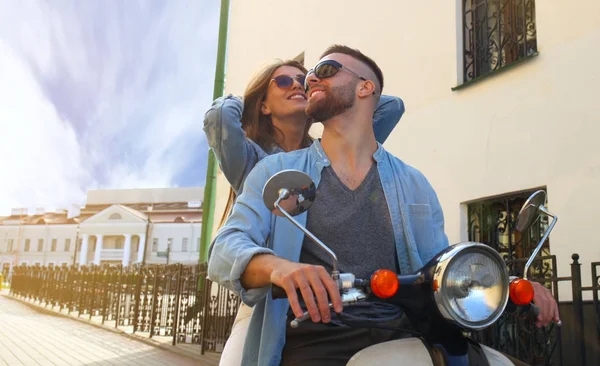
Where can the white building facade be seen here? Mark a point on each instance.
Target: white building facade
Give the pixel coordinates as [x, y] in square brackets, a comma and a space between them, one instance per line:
[115, 226]
[482, 132]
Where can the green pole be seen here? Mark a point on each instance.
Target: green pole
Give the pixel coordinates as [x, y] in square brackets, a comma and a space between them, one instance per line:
[208, 206]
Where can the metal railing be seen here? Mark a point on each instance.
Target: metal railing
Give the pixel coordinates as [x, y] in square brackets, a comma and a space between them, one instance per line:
[112, 254]
[156, 300]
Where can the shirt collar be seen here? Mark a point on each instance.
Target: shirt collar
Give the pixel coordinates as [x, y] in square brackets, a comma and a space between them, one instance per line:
[319, 155]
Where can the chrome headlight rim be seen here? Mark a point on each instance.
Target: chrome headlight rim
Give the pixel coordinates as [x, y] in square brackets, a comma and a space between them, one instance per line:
[440, 276]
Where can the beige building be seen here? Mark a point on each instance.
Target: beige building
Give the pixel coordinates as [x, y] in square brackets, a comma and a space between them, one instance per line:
[500, 100]
[112, 227]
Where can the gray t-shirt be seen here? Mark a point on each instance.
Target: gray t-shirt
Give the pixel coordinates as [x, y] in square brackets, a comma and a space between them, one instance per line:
[356, 225]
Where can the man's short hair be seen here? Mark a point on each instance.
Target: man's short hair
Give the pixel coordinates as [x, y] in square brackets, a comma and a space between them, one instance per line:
[336, 48]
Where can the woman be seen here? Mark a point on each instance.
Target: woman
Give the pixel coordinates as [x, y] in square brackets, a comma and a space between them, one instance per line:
[270, 119]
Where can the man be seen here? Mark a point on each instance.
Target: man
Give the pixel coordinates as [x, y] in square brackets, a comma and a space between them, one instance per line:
[373, 210]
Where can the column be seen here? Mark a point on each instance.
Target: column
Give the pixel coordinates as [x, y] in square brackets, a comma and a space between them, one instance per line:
[140, 256]
[98, 253]
[127, 250]
[84, 249]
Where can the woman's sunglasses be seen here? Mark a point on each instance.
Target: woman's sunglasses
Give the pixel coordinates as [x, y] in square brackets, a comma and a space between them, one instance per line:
[285, 82]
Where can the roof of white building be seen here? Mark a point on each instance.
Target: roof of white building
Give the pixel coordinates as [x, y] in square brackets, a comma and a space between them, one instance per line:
[160, 204]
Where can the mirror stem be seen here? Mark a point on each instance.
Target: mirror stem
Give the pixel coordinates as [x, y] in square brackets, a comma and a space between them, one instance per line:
[541, 243]
[285, 194]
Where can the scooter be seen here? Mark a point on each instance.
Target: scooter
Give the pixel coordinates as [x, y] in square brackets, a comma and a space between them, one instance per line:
[464, 288]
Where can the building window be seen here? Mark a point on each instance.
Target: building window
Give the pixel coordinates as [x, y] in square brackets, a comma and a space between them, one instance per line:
[198, 245]
[492, 222]
[67, 245]
[170, 244]
[184, 244]
[115, 216]
[40, 245]
[27, 245]
[496, 34]
[53, 246]
[10, 245]
[155, 245]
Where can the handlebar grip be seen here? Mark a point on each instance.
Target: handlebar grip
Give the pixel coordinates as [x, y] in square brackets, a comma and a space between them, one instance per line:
[534, 310]
[278, 292]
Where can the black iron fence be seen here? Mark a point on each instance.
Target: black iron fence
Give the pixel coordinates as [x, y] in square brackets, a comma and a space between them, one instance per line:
[155, 300]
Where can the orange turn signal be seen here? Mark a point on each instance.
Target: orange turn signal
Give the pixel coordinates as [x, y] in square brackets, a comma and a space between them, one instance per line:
[521, 291]
[384, 283]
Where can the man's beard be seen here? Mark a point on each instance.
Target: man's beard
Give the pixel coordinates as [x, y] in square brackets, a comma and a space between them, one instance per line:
[335, 102]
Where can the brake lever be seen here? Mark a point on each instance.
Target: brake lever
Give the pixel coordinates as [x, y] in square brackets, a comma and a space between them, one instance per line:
[349, 297]
[294, 323]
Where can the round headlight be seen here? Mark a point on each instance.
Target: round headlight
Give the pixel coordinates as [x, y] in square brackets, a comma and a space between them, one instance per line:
[472, 286]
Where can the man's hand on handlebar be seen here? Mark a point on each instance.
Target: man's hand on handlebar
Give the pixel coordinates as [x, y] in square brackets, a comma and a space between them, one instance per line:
[548, 307]
[313, 282]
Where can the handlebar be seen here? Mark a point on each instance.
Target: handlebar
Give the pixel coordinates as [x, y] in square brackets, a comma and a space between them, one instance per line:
[534, 310]
[278, 292]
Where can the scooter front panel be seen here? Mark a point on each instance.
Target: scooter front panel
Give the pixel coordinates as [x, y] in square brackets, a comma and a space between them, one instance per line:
[407, 351]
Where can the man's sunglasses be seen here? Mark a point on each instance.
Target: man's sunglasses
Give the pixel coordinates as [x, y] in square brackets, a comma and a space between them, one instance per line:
[326, 69]
[285, 82]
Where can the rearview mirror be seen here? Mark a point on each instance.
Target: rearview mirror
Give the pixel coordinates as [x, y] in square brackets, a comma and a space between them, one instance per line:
[289, 193]
[293, 190]
[530, 211]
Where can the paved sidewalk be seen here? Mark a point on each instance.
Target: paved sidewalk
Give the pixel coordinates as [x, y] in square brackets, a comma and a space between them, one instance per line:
[30, 337]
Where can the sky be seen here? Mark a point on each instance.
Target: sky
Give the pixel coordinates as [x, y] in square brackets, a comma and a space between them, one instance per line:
[102, 94]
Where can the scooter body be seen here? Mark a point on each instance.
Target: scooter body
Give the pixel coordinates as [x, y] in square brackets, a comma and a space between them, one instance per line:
[464, 288]
[415, 352]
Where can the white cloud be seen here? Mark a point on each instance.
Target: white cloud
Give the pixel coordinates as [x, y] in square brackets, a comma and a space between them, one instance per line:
[40, 156]
[102, 94]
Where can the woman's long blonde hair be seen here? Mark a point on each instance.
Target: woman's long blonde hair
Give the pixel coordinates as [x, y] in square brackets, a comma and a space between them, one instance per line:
[258, 126]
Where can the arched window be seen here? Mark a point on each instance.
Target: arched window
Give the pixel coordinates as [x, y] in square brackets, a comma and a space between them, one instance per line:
[115, 216]
[41, 222]
[180, 219]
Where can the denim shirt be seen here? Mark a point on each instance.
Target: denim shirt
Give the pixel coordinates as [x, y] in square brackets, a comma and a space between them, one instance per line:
[237, 154]
[252, 229]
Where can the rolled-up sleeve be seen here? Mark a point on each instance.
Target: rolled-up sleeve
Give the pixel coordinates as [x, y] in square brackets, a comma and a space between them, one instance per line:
[244, 235]
[235, 153]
